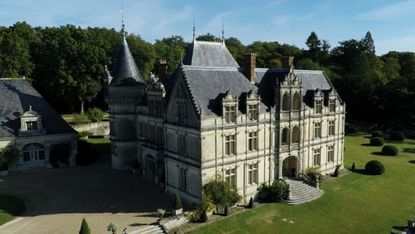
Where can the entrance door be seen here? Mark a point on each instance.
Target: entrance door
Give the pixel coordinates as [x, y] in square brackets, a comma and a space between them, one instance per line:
[289, 167]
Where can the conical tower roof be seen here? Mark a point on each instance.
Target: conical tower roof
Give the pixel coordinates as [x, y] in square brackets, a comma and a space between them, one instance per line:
[124, 70]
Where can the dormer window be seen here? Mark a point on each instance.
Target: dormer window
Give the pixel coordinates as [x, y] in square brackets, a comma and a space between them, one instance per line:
[332, 105]
[230, 114]
[319, 106]
[229, 107]
[253, 112]
[31, 125]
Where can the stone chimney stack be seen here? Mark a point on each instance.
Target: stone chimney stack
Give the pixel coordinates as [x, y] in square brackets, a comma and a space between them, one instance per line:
[161, 68]
[250, 64]
[288, 61]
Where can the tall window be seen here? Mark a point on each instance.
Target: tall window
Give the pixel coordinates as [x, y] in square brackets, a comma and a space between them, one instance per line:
[230, 114]
[181, 113]
[31, 125]
[253, 112]
[182, 146]
[330, 153]
[296, 134]
[297, 101]
[285, 136]
[253, 141]
[317, 157]
[230, 144]
[332, 105]
[253, 173]
[319, 106]
[317, 130]
[230, 177]
[332, 127]
[286, 102]
[183, 179]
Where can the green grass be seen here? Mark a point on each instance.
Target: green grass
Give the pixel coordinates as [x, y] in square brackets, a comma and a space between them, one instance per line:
[10, 206]
[100, 145]
[355, 203]
[69, 117]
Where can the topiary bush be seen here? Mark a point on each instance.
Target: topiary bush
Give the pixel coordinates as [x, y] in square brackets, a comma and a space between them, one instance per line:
[397, 136]
[251, 203]
[377, 133]
[390, 150]
[226, 210]
[276, 192]
[95, 114]
[84, 227]
[374, 167]
[336, 171]
[86, 154]
[377, 141]
[12, 205]
[353, 167]
[177, 203]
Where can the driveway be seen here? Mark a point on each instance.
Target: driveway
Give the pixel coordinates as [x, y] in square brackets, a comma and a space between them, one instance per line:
[58, 199]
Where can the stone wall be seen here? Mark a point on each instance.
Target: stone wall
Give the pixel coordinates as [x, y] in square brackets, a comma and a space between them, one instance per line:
[97, 128]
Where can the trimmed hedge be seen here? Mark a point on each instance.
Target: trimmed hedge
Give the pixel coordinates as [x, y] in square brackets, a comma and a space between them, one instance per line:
[374, 167]
[377, 133]
[397, 136]
[390, 150]
[377, 141]
[12, 205]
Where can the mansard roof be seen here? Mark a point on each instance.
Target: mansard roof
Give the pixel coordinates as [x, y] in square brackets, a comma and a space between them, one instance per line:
[20, 96]
[208, 85]
[210, 54]
[124, 69]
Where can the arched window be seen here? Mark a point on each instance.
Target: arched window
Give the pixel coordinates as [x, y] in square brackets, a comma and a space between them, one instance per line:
[33, 152]
[296, 135]
[286, 102]
[285, 137]
[297, 101]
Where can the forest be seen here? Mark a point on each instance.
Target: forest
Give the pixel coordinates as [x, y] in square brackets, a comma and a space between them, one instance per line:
[66, 65]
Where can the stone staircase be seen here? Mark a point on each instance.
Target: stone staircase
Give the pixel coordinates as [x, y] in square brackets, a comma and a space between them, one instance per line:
[301, 192]
[148, 229]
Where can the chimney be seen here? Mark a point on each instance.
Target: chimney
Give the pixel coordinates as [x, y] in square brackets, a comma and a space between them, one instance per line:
[250, 64]
[287, 61]
[161, 69]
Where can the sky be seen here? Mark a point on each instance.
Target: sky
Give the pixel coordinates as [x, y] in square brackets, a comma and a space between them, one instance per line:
[391, 22]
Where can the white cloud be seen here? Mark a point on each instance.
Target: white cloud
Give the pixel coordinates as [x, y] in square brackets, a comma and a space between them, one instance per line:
[389, 11]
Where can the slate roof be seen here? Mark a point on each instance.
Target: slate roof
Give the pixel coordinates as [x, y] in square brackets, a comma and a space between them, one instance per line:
[208, 85]
[15, 97]
[124, 69]
[210, 54]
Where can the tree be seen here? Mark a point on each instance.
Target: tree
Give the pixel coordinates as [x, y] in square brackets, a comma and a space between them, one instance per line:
[208, 37]
[84, 227]
[177, 203]
[313, 42]
[236, 48]
[368, 44]
[221, 193]
[172, 49]
[143, 53]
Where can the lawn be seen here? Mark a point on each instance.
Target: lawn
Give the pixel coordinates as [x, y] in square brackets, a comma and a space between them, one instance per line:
[9, 206]
[355, 203]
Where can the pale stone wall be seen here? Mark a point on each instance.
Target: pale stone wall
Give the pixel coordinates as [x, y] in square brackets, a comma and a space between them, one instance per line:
[97, 129]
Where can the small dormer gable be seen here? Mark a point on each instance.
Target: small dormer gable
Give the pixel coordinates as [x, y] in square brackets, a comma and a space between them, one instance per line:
[31, 123]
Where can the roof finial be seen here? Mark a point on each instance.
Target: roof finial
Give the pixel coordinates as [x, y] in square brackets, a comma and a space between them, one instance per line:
[194, 27]
[223, 31]
[30, 107]
[122, 20]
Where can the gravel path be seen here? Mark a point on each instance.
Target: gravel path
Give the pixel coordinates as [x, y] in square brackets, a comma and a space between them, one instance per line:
[58, 199]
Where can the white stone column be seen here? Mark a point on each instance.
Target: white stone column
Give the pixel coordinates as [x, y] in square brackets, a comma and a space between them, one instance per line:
[280, 162]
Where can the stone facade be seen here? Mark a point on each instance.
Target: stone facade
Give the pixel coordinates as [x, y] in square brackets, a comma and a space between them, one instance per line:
[214, 120]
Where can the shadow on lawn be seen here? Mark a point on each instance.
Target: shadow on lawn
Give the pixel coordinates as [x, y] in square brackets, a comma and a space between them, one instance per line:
[409, 150]
[362, 171]
[367, 144]
[412, 161]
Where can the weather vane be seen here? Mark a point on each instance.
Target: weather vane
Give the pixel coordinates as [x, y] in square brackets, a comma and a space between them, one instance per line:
[122, 19]
[194, 27]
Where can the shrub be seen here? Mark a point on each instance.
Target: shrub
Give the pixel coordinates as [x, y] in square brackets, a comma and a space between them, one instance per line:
[95, 114]
[353, 167]
[205, 217]
[273, 193]
[251, 203]
[207, 204]
[177, 203]
[397, 136]
[313, 173]
[377, 133]
[84, 227]
[390, 150]
[86, 154]
[374, 167]
[336, 171]
[350, 129]
[80, 118]
[7, 155]
[221, 193]
[377, 141]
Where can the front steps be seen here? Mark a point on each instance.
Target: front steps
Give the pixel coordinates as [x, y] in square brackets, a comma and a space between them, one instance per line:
[301, 192]
[148, 229]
